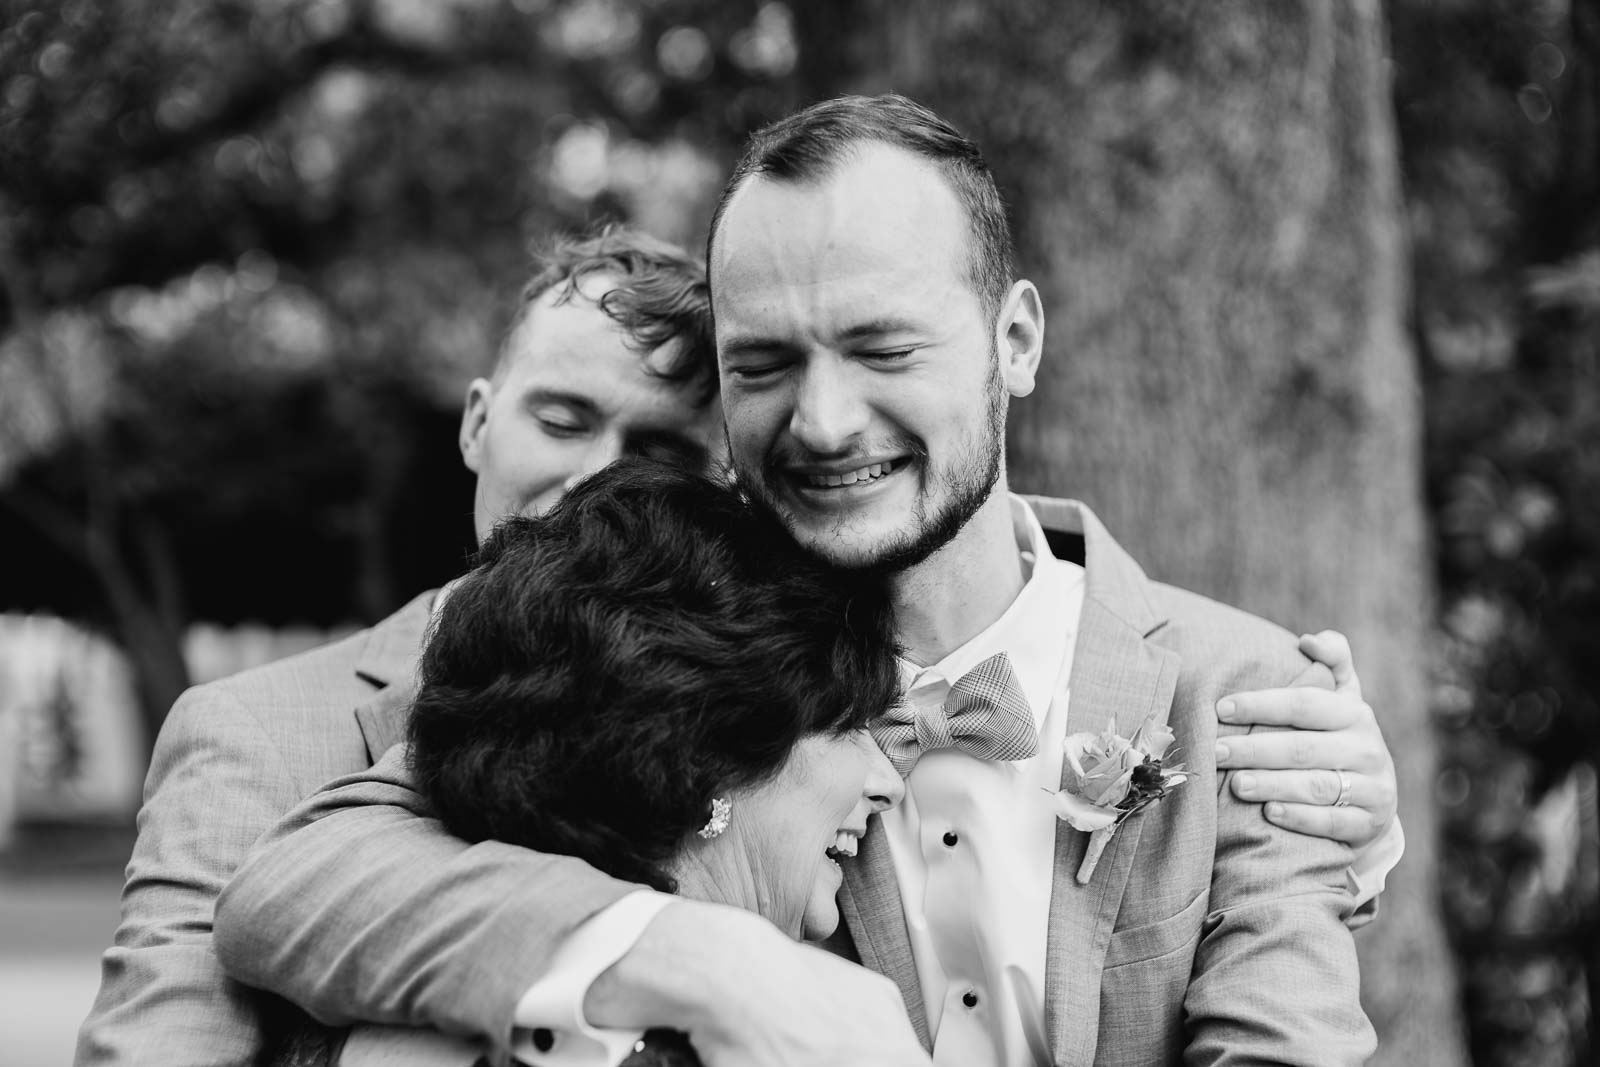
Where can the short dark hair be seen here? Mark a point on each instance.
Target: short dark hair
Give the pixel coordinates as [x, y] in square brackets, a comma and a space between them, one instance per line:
[659, 295]
[612, 665]
[810, 144]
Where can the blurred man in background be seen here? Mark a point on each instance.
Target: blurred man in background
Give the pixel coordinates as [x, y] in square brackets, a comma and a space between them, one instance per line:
[609, 354]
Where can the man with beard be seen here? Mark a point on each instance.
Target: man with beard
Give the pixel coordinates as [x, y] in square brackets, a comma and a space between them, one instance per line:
[871, 333]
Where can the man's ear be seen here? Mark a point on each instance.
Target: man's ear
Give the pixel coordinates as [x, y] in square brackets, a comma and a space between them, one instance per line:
[1019, 337]
[474, 417]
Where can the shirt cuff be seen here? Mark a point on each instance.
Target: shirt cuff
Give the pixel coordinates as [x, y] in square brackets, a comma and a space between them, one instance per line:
[1369, 868]
[550, 1029]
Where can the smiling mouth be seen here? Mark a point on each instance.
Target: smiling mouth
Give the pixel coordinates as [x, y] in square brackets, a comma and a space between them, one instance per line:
[872, 472]
[845, 843]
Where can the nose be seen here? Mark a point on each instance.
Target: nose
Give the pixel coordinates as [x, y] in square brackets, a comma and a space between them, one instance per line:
[884, 788]
[604, 450]
[828, 410]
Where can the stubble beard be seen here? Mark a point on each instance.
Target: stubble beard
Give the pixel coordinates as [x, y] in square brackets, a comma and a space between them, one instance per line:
[967, 483]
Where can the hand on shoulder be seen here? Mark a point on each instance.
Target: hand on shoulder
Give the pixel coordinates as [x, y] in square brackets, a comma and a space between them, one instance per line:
[1326, 771]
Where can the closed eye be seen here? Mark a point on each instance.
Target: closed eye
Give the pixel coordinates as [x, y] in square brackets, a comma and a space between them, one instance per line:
[755, 372]
[560, 429]
[560, 421]
[887, 355]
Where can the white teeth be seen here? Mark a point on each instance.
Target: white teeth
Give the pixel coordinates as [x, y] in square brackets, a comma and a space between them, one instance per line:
[844, 843]
[864, 474]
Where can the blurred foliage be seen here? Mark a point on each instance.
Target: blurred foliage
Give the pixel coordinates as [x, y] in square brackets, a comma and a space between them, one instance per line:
[338, 194]
[252, 250]
[1499, 111]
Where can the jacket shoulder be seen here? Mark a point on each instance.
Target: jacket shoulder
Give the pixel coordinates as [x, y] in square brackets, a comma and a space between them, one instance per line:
[327, 669]
[1224, 645]
[301, 706]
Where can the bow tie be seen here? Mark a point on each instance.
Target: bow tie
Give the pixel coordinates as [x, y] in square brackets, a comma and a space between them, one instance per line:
[985, 716]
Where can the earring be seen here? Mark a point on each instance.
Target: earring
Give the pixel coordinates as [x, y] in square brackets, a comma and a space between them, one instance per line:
[720, 807]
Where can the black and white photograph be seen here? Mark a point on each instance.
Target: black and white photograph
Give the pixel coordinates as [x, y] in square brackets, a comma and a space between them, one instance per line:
[799, 533]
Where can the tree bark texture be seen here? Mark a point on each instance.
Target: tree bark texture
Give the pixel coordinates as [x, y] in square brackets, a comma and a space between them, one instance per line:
[1207, 195]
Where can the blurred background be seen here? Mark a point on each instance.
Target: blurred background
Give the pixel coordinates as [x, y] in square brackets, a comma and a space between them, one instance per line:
[1323, 284]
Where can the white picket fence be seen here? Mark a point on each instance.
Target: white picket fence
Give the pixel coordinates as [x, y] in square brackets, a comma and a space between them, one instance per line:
[71, 744]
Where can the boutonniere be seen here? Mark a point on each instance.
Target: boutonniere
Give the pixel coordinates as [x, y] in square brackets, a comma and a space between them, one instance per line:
[1109, 778]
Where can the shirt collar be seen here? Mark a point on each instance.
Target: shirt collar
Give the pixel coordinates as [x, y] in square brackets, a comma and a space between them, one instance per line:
[1035, 631]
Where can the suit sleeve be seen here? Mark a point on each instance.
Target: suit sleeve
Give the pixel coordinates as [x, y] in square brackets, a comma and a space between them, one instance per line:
[1275, 976]
[216, 782]
[360, 905]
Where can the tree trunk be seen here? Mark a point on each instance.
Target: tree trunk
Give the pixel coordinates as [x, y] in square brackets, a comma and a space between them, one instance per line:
[148, 616]
[1207, 195]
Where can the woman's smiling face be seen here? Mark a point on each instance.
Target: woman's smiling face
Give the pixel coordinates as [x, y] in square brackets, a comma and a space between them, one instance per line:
[785, 828]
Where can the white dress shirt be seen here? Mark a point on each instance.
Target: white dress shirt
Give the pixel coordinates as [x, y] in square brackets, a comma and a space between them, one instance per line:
[552, 1030]
[973, 843]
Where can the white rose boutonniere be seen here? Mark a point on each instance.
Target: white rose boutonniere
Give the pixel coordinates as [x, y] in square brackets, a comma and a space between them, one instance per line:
[1109, 778]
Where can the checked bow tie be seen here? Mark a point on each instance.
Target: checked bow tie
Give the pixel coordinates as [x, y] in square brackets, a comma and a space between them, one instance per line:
[985, 716]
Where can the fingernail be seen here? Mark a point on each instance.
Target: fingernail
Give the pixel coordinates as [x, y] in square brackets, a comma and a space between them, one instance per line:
[1274, 811]
[1246, 783]
[1222, 752]
[1226, 709]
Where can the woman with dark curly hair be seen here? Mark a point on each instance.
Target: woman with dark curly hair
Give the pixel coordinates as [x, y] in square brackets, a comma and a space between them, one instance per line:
[654, 678]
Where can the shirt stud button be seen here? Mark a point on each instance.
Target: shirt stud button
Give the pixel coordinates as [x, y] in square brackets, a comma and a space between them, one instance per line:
[970, 999]
[950, 838]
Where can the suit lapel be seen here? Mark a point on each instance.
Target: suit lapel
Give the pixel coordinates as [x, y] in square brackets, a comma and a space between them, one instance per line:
[869, 902]
[389, 662]
[383, 718]
[1117, 675]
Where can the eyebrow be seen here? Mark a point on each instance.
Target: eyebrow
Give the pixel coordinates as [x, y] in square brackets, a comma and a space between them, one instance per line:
[752, 346]
[576, 401]
[878, 327]
[756, 346]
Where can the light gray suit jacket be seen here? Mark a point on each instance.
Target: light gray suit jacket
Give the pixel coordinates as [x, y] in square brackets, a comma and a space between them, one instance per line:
[233, 757]
[1207, 935]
